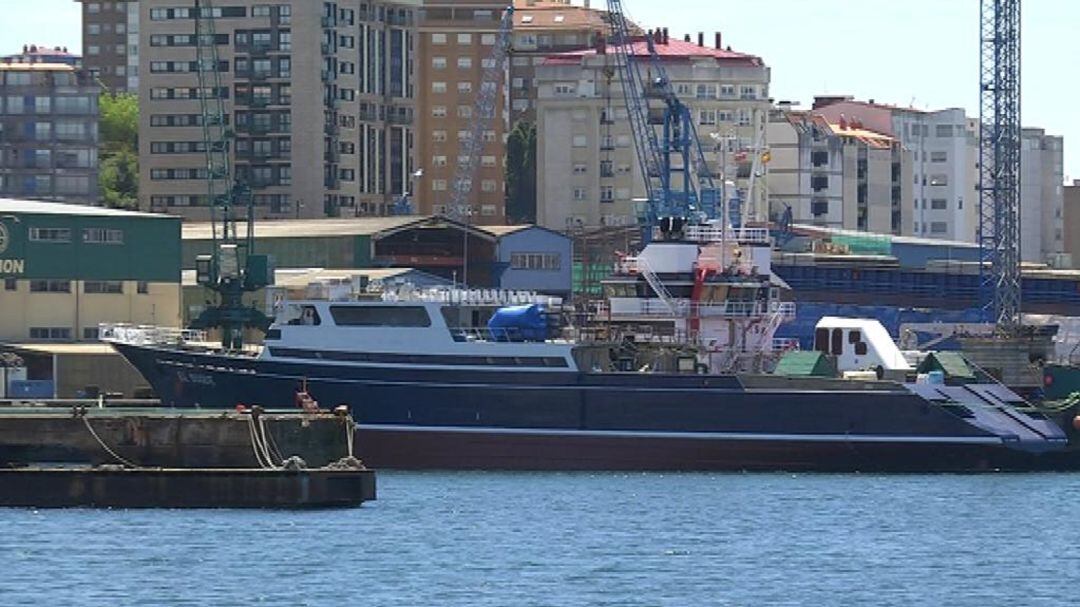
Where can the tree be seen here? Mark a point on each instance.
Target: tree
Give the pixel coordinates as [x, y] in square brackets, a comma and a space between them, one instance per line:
[118, 178]
[118, 125]
[521, 174]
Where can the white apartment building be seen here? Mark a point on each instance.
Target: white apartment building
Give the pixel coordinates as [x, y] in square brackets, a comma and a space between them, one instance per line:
[838, 175]
[945, 173]
[1042, 197]
[588, 169]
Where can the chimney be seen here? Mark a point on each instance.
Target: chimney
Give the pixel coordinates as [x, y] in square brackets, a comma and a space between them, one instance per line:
[701, 38]
[719, 46]
[666, 39]
[686, 37]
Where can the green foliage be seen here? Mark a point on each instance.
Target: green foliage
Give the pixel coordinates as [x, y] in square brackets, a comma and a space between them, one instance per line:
[119, 180]
[119, 155]
[521, 174]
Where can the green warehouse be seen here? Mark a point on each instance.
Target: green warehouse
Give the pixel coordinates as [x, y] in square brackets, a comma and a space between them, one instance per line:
[66, 268]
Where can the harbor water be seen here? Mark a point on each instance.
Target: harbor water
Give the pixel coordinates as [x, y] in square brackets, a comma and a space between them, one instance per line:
[495, 539]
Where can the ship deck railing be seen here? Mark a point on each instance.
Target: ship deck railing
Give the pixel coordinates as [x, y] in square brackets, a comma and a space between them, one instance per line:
[708, 233]
[148, 335]
[496, 335]
[656, 308]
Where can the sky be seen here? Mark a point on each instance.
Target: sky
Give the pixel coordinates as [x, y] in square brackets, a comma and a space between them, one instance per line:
[915, 52]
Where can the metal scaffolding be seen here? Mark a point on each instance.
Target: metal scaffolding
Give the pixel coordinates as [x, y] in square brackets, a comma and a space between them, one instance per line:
[999, 161]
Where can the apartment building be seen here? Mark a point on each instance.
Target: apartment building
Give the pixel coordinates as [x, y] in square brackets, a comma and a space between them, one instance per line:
[1042, 198]
[589, 171]
[945, 149]
[320, 96]
[543, 27]
[1071, 222]
[48, 133]
[110, 34]
[838, 175]
[455, 45]
[40, 53]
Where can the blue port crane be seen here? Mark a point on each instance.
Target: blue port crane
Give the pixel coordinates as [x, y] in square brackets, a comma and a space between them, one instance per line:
[678, 180]
[232, 269]
[999, 162]
[494, 71]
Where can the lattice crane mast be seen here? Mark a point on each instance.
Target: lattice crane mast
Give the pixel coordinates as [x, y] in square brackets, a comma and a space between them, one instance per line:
[999, 161]
[231, 269]
[678, 179]
[494, 67]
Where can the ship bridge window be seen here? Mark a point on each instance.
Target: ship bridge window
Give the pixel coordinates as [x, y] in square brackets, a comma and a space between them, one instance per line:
[821, 340]
[380, 316]
[837, 342]
[302, 316]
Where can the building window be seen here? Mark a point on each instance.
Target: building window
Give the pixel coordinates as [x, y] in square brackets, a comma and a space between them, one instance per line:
[50, 286]
[580, 194]
[580, 141]
[939, 157]
[92, 333]
[535, 261]
[438, 111]
[938, 227]
[438, 87]
[940, 179]
[52, 333]
[938, 204]
[464, 62]
[103, 236]
[103, 287]
[438, 63]
[11, 284]
[50, 235]
[438, 38]
[142, 287]
[465, 39]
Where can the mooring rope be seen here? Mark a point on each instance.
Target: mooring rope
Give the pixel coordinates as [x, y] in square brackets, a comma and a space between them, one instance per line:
[115, 455]
[253, 435]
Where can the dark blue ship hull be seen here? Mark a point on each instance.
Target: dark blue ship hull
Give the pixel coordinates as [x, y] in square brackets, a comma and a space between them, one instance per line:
[563, 419]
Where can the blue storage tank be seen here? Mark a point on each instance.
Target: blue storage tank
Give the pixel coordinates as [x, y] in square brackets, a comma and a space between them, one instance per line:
[27, 389]
[519, 323]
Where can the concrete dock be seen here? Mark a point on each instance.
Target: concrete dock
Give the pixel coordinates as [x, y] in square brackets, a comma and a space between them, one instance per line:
[74, 455]
[166, 438]
[187, 488]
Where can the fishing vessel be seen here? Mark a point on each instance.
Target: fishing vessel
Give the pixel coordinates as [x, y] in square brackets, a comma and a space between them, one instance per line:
[668, 374]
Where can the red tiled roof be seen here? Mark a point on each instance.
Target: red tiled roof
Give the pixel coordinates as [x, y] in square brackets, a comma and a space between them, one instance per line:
[673, 50]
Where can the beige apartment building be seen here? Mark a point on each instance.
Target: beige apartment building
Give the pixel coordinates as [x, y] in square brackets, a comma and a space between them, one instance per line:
[838, 174]
[543, 27]
[320, 96]
[1071, 221]
[590, 174]
[455, 43]
[110, 34]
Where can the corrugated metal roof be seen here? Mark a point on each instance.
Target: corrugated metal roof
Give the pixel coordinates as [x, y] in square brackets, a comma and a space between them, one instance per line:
[301, 277]
[14, 206]
[360, 226]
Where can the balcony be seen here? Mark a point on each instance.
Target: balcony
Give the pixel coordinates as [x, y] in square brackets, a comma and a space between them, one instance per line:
[261, 75]
[331, 129]
[260, 50]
